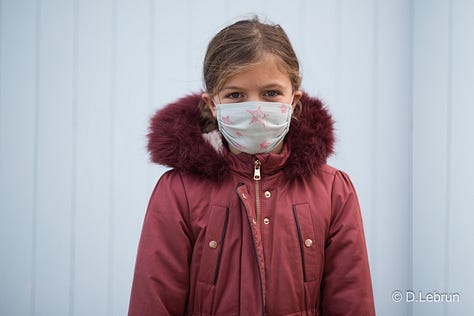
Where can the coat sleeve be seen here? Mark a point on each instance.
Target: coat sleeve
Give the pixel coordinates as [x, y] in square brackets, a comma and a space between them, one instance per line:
[161, 278]
[346, 283]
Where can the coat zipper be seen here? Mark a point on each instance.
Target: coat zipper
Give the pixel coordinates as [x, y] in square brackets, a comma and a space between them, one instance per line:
[256, 254]
[257, 177]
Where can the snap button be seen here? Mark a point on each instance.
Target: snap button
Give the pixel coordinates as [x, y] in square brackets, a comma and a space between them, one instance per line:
[266, 221]
[213, 244]
[268, 194]
[308, 243]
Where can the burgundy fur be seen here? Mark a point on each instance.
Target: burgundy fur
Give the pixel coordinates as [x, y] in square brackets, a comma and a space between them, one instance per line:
[175, 140]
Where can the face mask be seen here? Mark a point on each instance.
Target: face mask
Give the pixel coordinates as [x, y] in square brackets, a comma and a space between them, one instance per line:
[254, 127]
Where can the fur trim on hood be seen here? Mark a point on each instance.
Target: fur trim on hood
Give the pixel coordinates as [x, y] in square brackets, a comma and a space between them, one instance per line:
[176, 140]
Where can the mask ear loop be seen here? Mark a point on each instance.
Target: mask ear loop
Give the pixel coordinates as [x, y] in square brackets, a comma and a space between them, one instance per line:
[215, 103]
[292, 99]
[296, 109]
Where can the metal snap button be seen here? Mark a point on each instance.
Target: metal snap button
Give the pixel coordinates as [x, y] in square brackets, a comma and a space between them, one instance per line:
[308, 243]
[266, 221]
[268, 194]
[213, 244]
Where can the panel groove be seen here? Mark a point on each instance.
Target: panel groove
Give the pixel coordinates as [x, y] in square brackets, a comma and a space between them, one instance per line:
[35, 159]
[113, 127]
[411, 141]
[447, 252]
[375, 138]
[338, 70]
[1, 76]
[74, 119]
[151, 44]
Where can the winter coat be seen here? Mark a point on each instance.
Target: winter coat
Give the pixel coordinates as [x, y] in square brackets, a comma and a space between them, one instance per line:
[268, 234]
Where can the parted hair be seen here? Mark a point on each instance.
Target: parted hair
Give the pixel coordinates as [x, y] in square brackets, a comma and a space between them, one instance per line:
[238, 46]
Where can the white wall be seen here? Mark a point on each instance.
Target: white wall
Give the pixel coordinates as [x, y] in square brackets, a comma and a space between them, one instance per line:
[79, 80]
[443, 152]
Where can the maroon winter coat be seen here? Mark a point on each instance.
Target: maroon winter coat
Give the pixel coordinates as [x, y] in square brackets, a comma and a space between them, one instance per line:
[218, 240]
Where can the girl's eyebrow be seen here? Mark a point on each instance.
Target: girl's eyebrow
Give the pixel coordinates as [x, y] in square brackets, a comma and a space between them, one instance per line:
[232, 88]
[267, 86]
[272, 86]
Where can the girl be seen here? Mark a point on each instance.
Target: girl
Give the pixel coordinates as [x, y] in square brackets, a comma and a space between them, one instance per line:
[250, 220]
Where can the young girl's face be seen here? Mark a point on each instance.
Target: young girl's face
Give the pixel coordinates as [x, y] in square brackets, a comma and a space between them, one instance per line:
[265, 81]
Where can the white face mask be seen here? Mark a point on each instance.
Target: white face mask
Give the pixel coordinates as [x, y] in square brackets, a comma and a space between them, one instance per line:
[254, 127]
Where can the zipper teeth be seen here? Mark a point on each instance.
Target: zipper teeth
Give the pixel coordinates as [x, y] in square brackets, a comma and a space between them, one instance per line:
[257, 178]
[257, 199]
[256, 254]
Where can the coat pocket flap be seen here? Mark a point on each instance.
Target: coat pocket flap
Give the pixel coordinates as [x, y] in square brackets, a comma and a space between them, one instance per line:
[310, 244]
[213, 244]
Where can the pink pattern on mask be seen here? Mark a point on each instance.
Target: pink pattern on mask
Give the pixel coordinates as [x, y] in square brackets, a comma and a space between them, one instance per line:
[258, 116]
[226, 120]
[283, 108]
[264, 145]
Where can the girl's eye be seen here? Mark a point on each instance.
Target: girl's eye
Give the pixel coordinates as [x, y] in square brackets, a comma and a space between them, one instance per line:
[272, 93]
[234, 95]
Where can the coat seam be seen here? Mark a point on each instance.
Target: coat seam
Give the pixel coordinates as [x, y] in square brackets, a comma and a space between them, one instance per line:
[188, 211]
[300, 239]
[224, 230]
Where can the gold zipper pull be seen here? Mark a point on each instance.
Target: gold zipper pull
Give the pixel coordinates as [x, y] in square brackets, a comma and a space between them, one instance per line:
[256, 171]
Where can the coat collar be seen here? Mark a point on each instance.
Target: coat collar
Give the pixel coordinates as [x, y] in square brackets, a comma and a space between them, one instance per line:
[175, 140]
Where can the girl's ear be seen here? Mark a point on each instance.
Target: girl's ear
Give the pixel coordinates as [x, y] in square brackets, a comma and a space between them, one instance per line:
[297, 96]
[210, 104]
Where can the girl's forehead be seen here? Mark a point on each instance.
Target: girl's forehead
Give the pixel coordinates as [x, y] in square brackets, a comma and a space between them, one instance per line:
[268, 61]
[262, 71]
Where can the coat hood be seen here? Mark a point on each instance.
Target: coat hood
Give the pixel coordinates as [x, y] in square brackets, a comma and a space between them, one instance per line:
[176, 140]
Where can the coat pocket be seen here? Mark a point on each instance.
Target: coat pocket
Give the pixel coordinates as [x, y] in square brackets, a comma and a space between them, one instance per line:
[310, 245]
[213, 244]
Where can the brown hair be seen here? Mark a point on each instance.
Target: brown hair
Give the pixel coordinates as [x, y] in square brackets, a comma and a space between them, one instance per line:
[236, 47]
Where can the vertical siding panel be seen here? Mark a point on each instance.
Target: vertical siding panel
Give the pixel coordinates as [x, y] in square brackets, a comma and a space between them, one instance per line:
[460, 253]
[287, 15]
[94, 156]
[319, 49]
[353, 110]
[129, 128]
[172, 45]
[353, 105]
[151, 54]
[391, 191]
[430, 148]
[171, 64]
[1, 73]
[18, 92]
[55, 143]
[157, 92]
[201, 31]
